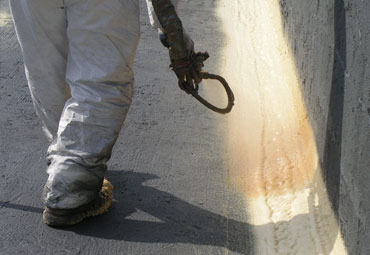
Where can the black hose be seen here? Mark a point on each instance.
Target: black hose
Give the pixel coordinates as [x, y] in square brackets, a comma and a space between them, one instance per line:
[230, 94]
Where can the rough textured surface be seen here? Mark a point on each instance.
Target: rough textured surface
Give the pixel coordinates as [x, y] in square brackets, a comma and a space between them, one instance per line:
[331, 47]
[354, 205]
[167, 167]
[274, 158]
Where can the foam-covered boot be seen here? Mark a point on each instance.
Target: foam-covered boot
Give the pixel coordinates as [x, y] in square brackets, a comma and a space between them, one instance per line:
[66, 217]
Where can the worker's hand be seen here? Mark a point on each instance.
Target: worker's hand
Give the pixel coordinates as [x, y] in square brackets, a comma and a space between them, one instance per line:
[181, 46]
[183, 67]
[182, 56]
[174, 37]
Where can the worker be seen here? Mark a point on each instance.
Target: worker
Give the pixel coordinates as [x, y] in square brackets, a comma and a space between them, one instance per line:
[78, 57]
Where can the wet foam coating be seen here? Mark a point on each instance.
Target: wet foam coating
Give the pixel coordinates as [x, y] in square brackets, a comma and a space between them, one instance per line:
[272, 151]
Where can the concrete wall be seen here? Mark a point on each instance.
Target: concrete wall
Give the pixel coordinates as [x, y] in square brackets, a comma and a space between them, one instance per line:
[330, 41]
[354, 209]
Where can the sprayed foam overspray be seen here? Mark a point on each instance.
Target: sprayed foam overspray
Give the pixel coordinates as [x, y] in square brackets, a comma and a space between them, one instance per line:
[273, 156]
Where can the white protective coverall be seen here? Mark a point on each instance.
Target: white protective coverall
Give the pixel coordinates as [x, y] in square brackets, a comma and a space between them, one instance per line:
[78, 57]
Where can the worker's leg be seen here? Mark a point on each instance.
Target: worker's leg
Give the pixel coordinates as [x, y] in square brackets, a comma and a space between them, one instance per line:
[102, 38]
[41, 28]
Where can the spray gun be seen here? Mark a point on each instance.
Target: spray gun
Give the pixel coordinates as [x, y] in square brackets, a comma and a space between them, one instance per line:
[191, 86]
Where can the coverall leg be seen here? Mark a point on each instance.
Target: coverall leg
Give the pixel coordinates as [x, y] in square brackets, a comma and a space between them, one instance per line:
[41, 28]
[78, 58]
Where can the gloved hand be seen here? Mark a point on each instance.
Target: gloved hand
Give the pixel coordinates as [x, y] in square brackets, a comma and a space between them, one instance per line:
[182, 62]
[183, 67]
[181, 47]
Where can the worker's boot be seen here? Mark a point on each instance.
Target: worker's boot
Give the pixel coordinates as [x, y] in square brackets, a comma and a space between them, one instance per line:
[66, 217]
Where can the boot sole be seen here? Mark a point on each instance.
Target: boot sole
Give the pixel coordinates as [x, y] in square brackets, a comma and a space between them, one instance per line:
[98, 207]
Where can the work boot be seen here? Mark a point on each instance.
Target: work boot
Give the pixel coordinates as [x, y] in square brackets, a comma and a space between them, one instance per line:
[66, 217]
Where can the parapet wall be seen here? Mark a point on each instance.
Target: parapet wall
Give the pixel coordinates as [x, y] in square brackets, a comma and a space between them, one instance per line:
[330, 42]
